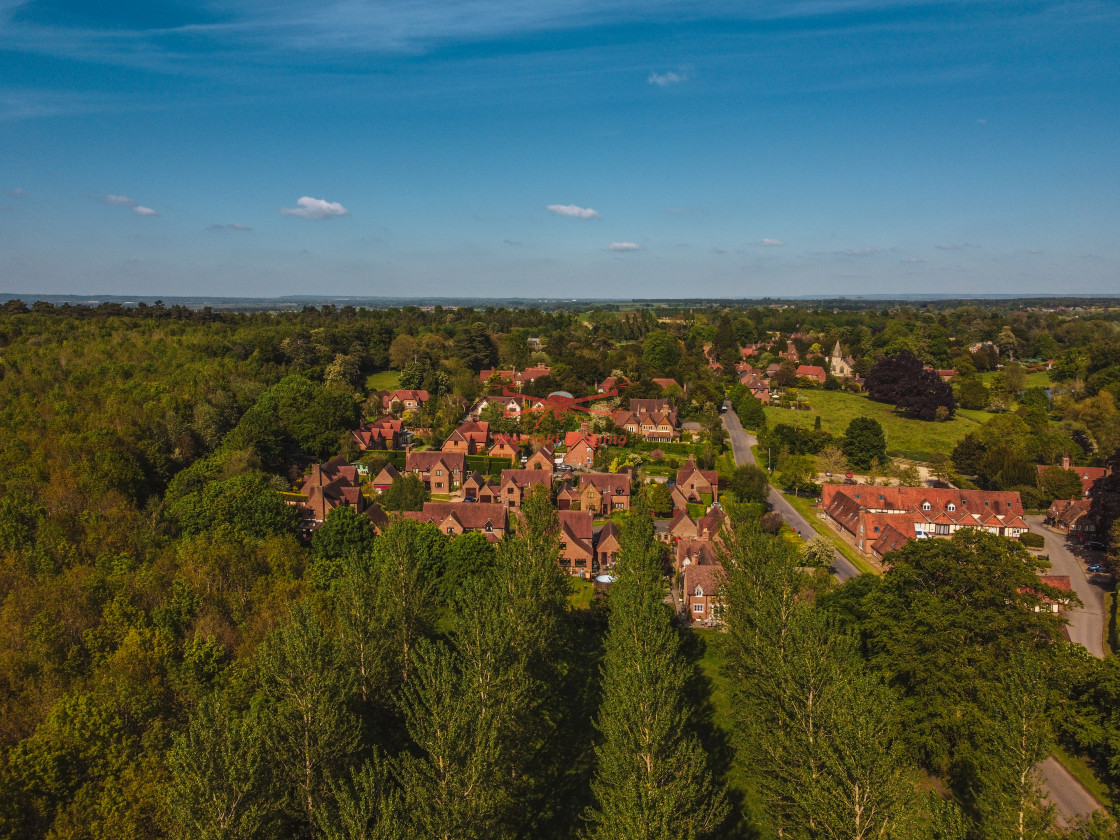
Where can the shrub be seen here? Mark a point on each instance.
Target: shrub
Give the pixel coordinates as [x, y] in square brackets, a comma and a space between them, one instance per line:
[771, 523]
[1032, 540]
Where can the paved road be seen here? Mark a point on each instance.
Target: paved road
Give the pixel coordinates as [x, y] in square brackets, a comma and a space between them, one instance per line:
[1086, 624]
[741, 443]
[1070, 799]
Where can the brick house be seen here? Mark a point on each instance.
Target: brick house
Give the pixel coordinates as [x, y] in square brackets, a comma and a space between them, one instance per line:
[607, 547]
[576, 537]
[581, 450]
[866, 512]
[514, 378]
[384, 479]
[378, 435]
[516, 483]
[458, 442]
[696, 483]
[1088, 475]
[542, 459]
[332, 485]
[460, 517]
[441, 471]
[701, 585]
[603, 493]
[505, 446]
[815, 373]
[409, 399]
[1071, 516]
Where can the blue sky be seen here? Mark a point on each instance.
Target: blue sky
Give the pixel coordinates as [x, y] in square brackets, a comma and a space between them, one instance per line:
[535, 148]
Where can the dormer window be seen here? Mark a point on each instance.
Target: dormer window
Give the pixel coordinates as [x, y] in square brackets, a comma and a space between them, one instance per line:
[699, 591]
[926, 506]
[950, 507]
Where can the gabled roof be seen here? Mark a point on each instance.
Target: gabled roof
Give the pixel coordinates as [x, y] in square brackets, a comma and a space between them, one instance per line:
[424, 461]
[617, 484]
[526, 477]
[890, 539]
[709, 577]
[388, 475]
[578, 522]
[473, 516]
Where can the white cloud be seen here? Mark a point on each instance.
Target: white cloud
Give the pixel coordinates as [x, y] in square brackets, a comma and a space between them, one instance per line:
[125, 201]
[315, 208]
[773, 243]
[718, 250]
[863, 252]
[17, 192]
[573, 212]
[672, 77]
[219, 228]
[624, 246]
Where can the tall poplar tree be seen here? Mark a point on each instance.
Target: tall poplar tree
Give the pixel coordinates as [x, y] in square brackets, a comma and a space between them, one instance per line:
[653, 778]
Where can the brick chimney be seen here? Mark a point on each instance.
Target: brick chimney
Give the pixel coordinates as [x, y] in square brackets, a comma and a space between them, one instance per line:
[1065, 462]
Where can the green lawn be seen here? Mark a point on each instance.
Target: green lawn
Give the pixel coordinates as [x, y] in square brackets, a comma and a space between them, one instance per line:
[383, 380]
[905, 437]
[582, 593]
[1039, 379]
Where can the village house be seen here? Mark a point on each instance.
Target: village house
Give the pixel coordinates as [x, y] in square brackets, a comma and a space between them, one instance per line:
[458, 442]
[581, 450]
[696, 483]
[385, 478]
[511, 406]
[513, 378]
[460, 517]
[329, 486]
[682, 527]
[701, 586]
[665, 383]
[408, 400]
[1088, 475]
[378, 435]
[599, 493]
[505, 446]
[866, 512]
[611, 383]
[576, 537]
[516, 483]
[1071, 516]
[607, 547]
[441, 471]
[478, 488]
[542, 459]
[814, 373]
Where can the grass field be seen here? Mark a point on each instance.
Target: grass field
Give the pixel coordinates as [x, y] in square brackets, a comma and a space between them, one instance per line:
[1039, 379]
[383, 380]
[916, 439]
[582, 593]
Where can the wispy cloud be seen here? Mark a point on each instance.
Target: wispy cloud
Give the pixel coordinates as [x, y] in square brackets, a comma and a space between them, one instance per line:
[17, 192]
[234, 226]
[512, 242]
[718, 250]
[124, 201]
[624, 246]
[670, 78]
[954, 246]
[315, 208]
[573, 211]
[772, 243]
[862, 252]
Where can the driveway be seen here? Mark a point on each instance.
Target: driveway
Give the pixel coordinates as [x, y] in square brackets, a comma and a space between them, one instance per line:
[1067, 557]
[741, 443]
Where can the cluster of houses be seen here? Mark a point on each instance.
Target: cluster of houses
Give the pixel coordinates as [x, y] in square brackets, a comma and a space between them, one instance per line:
[1072, 516]
[881, 519]
[760, 381]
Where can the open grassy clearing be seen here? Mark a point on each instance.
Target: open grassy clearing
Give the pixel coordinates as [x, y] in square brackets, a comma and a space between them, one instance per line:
[581, 594]
[1038, 379]
[916, 439]
[383, 380]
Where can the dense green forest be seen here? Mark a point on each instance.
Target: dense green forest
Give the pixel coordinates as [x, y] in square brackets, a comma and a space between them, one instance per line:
[176, 662]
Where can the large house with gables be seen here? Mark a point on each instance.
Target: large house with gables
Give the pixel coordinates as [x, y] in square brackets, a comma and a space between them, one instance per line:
[870, 514]
[460, 517]
[441, 471]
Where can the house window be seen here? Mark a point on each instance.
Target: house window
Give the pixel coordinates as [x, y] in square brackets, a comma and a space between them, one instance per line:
[876, 529]
[925, 505]
[439, 472]
[698, 608]
[941, 529]
[699, 591]
[950, 507]
[450, 530]
[489, 528]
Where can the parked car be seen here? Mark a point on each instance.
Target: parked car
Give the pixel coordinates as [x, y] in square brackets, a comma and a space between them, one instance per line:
[1095, 545]
[1096, 567]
